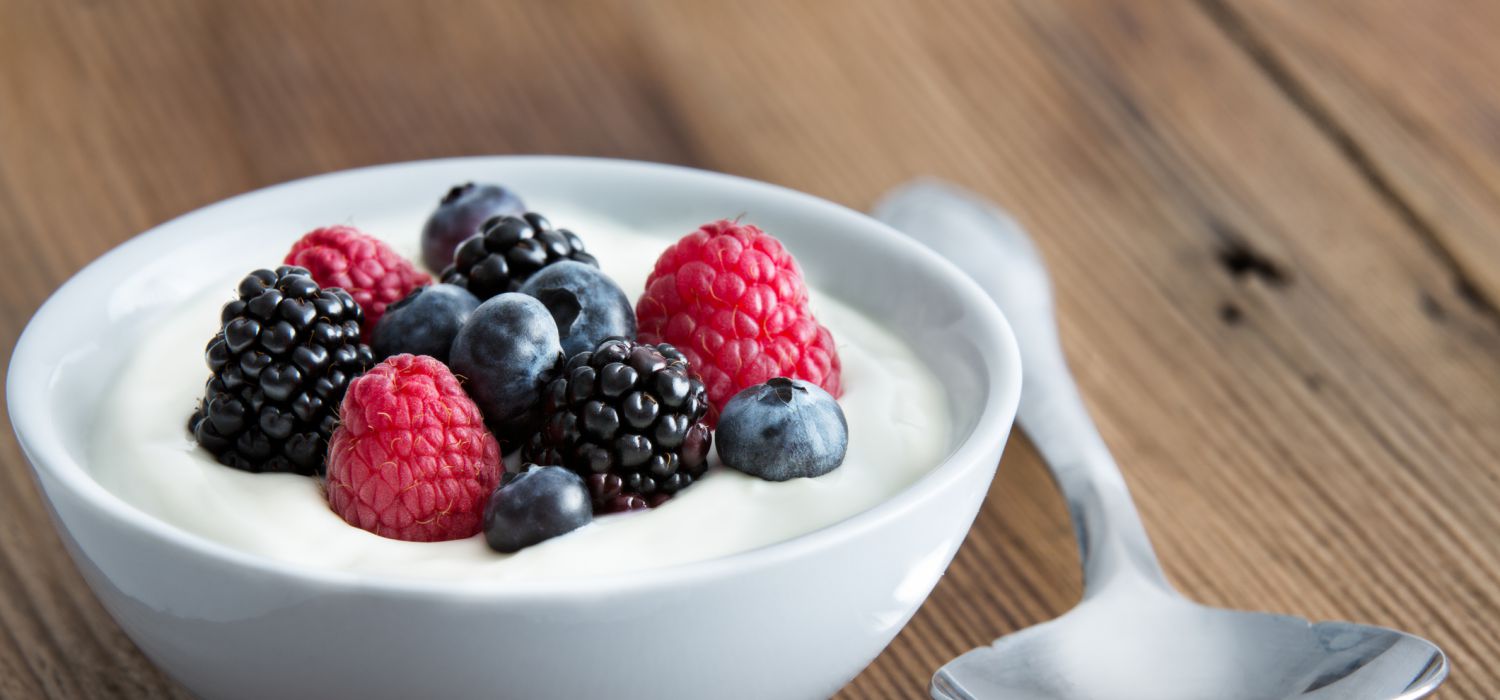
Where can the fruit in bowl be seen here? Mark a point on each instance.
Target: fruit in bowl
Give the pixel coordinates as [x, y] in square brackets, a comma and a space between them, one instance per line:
[245, 584]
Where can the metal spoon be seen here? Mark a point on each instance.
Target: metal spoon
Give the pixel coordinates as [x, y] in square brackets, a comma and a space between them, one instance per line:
[1132, 636]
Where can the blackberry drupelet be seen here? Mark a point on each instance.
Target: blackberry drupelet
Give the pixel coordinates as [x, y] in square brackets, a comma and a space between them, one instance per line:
[281, 361]
[607, 491]
[510, 249]
[460, 215]
[627, 417]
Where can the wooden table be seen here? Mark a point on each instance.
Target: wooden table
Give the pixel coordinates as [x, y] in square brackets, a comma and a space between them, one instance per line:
[1274, 227]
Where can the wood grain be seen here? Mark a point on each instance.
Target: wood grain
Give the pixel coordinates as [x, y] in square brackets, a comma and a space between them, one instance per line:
[1409, 89]
[1291, 357]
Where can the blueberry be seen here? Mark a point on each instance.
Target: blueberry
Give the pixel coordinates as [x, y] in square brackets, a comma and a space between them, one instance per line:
[535, 505]
[459, 216]
[586, 304]
[505, 355]
[424, 323]
[783, 429]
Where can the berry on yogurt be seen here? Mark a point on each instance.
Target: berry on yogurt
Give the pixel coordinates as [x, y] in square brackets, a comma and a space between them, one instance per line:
[627, 410]
[412, 459]
[506, 354]
[508, 251]
[535, 505]
[609, 496]
[524, 344]
[423, 323]
[732, 299]
[783, 429]
[587, 305]
[284, 354]
[373, 273]
[460, 215]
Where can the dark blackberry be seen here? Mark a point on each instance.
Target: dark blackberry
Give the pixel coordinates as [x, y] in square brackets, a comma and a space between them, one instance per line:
[629, 418]
[510, 249]
[283, 356]
[460, 215]
[608, 494]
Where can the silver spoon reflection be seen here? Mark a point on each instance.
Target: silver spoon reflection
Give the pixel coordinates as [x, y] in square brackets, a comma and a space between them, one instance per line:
[1132, 636]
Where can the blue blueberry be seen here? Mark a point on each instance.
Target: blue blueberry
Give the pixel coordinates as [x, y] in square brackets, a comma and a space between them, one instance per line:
[459, 216]
[424, 323]
[783, 429]
[535, 505]
[505, 355]
[586, 304]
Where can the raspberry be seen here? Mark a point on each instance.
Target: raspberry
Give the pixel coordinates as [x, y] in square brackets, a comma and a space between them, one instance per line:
[367, 268]
[411, 459]
[732, 300]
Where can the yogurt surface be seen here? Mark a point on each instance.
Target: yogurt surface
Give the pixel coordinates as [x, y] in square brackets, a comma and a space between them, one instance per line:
[142, 452]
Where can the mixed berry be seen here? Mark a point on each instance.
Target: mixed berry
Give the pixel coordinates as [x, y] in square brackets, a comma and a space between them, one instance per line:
[411, 458]
[733, 300]
[508, 250]
[533, 505]
[363, 266]
[586, 304]
[460, 215]
[280, 363]
[507, 353]
[630, 412]
[524, 346]
[783, 429]
[423, 323]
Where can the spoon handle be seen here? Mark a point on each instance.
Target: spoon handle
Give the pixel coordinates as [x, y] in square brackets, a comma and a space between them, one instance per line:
[992, 249]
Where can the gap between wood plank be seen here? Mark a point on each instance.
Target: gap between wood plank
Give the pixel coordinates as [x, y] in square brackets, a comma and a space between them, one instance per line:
[1243, 36]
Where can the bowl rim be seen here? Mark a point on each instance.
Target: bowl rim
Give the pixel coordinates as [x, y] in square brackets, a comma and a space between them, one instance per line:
[41, 442]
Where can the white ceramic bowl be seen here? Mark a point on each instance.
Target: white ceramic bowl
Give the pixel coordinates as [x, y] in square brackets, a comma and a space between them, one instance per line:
[792, 620]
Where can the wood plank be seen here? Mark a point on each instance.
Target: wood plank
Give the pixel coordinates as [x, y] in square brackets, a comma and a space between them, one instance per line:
[115, 117]
[1299, 438]
[1411, 87]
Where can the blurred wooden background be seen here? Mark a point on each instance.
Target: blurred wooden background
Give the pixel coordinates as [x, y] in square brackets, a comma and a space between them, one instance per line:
[1273, 227]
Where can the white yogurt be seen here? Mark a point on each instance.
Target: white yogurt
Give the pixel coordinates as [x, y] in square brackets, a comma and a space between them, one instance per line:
[898, 430]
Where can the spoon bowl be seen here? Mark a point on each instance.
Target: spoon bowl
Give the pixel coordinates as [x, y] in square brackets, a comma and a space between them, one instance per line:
[1145, 642]
[1132, 637]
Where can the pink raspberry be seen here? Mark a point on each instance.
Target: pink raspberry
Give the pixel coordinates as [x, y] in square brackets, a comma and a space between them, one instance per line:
[411, 459]
[367, 268]
[732, 299]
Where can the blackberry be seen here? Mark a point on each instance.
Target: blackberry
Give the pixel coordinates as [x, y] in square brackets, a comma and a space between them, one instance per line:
[510, 249]
[459, 216]
[608, 494]
[627, 417]
[283, 356]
